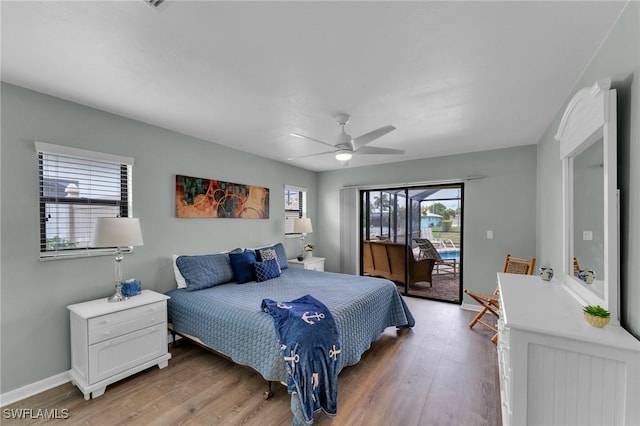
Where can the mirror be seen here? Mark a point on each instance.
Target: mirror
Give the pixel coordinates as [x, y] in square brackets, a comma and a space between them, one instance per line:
[588, 214]
[587, 136]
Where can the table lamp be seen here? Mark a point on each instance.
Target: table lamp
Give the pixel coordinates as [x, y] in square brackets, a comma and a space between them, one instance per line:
[302, 226]
[117, 232]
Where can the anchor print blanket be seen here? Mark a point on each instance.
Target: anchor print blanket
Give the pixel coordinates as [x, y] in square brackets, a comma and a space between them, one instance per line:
[310, 344]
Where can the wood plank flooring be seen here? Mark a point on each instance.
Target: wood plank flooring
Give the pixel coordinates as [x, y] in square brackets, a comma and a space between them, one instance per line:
[438, 373]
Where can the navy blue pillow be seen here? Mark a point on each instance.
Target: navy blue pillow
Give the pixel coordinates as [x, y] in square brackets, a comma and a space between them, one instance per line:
[267, 270]
[280, 252]
[205, 271]
[262, 255]
[242, 266]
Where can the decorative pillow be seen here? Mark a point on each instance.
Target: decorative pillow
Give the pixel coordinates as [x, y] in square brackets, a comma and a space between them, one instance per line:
[205, 271]
[242, 266]
[280, 252]
[267, 270]
[176, 272]
[263, 255]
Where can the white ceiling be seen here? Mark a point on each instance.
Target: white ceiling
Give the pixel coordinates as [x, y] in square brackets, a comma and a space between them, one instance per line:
[452, 77]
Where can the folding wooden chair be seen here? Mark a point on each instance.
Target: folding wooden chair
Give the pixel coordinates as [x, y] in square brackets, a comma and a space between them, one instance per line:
[491, 302]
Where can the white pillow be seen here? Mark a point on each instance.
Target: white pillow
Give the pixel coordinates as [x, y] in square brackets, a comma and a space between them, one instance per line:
[176, 271]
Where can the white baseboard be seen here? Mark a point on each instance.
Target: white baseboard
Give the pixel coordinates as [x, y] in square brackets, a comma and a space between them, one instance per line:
[471, 307]
[34, 388]
[24, 392]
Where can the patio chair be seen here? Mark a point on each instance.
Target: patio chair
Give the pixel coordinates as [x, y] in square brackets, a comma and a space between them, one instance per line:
[389, 260]
[428, 251]
[491, 302]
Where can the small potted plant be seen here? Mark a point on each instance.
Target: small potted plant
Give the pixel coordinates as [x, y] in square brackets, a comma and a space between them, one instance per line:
[597, 316]
[308, 250]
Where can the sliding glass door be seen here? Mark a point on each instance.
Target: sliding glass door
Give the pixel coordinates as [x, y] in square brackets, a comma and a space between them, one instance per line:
[413, 236]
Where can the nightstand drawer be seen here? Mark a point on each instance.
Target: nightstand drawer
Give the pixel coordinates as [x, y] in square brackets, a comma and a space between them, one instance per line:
[119, 323]
[122, 353]
[309, 263]
[316, 266]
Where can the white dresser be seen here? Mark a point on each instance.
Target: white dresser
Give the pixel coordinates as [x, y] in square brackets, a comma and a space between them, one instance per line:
[555, 368]
[310, 263]
[112, 340]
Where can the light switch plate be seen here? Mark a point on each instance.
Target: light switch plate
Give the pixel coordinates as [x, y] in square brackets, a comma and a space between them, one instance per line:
[489, 234]
[587, 235]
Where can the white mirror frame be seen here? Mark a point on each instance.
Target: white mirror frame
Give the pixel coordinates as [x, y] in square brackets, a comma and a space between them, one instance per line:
[590, 116]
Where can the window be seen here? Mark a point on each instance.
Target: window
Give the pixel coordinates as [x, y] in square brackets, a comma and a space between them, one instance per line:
[295, 206]
[76, 187]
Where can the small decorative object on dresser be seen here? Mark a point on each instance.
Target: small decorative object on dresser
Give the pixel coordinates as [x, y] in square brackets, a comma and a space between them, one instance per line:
[546, 273]
[587, 275]
[597, 316]
[111, 341]
[309, 263]
[131, 287]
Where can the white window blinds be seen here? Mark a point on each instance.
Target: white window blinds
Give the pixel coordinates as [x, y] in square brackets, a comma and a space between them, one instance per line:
[295, 206]
[76, 187]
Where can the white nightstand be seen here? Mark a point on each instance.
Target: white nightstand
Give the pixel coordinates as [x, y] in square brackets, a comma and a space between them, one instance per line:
[311, 263]
[113, 340]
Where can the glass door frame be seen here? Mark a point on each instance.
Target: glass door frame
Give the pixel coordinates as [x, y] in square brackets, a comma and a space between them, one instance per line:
[392, 224]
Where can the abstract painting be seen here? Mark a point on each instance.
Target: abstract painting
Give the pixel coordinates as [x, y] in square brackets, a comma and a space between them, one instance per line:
[209, 198]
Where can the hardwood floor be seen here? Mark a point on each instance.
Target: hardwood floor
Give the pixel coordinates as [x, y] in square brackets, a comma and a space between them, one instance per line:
[438, 373]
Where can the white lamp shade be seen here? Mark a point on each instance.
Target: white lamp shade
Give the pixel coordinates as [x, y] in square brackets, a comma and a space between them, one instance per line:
[117, 232]
[302, 226]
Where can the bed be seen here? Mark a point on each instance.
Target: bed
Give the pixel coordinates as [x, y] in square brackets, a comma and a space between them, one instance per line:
[228, 317]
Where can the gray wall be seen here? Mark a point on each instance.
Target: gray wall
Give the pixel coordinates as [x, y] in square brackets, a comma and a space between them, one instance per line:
[503, 201]
[34, 294]
[618, 58]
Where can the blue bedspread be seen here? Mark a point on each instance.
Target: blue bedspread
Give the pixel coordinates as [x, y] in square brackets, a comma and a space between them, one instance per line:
[228, 317]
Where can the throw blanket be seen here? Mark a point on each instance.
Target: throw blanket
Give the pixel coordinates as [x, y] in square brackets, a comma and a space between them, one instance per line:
[311, 346]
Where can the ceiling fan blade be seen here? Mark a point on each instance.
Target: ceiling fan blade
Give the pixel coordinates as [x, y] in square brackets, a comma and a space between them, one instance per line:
[361, 141]
[376, 150]
[311, 155]
[311, 139]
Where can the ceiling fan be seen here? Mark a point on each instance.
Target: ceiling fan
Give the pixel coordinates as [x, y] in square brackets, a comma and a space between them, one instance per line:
[346, 146]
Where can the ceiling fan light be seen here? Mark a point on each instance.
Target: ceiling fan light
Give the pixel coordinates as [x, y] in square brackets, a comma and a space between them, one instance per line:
[343, 155]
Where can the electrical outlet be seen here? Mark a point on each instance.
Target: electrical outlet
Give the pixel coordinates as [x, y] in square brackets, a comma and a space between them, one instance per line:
[489, 234]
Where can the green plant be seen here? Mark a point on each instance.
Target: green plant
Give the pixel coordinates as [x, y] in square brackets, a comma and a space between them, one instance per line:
[596, 311]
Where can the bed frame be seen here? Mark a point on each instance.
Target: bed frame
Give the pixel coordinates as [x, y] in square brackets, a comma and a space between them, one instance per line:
[267, 394]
